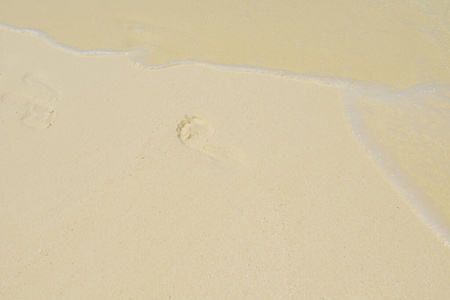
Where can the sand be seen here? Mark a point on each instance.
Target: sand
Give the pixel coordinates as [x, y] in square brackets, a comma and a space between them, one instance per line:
[200, 180]
[191, 181]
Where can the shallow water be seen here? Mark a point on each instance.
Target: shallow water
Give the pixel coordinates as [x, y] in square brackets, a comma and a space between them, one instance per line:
[401, 43]
[407, 132]
[390, 59]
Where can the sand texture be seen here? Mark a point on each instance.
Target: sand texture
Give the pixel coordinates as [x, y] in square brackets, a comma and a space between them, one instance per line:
[193, 182]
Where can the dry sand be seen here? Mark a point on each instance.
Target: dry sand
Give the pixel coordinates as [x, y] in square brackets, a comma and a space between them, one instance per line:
[190, 181]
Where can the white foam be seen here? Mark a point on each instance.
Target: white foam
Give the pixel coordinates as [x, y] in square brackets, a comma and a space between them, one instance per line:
[322, 80]
[418, 200]
[45, 37]
[138, 57]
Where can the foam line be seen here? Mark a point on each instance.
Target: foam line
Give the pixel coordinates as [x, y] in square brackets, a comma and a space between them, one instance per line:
[45, 37]
[420, 203]
[138, 56]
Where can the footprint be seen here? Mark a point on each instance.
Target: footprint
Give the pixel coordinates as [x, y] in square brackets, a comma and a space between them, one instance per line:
[32, 103]
[198, 134]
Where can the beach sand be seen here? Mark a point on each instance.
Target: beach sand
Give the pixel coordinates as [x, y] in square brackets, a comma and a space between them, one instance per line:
[131, 182]
[194, 181]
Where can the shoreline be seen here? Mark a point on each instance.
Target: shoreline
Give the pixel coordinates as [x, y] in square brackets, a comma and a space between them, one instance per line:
[401, 43]
[130, 182]
[423, 205]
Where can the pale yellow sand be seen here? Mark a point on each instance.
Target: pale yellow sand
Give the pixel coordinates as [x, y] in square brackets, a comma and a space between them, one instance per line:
[397, 43]
[119, 182]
